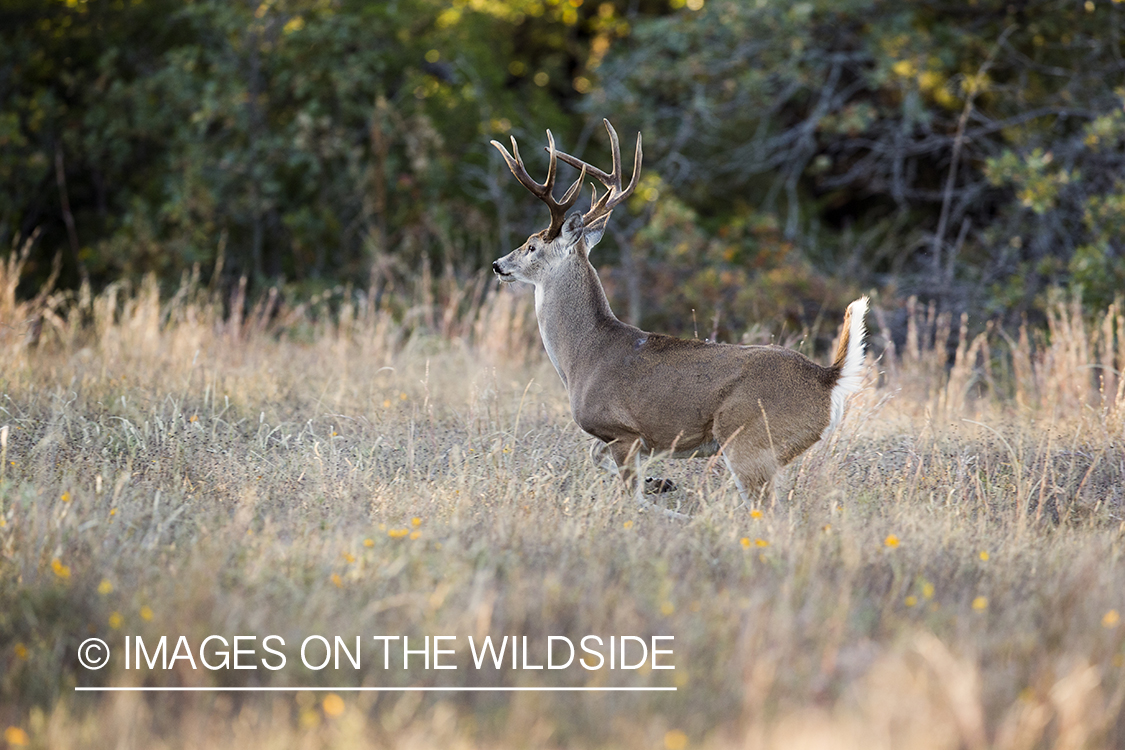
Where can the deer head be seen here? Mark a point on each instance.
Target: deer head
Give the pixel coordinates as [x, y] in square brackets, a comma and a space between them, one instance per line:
[566, 236]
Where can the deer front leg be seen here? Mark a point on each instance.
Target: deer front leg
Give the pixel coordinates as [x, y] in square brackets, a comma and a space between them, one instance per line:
[625, 455]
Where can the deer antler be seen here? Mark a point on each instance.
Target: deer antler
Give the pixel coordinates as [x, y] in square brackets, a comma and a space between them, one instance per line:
[544, 192]
[614, 194]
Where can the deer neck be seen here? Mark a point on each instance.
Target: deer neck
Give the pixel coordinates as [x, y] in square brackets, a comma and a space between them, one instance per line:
[573, 315]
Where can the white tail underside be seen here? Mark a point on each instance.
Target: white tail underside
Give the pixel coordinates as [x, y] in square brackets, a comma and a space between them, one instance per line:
[851, 377]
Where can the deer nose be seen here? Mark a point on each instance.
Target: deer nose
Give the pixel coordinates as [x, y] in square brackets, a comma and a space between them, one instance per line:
[496, 266]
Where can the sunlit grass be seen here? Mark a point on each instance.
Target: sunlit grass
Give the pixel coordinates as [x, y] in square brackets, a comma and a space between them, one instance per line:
[944, 571]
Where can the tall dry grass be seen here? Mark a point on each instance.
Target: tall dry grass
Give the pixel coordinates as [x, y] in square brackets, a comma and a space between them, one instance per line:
[945, 571]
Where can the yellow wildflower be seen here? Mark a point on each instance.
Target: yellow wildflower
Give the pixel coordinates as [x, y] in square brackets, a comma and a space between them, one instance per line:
[309, 719]
[16, 737]
[675, 740]
[333, 705]
[62, 571]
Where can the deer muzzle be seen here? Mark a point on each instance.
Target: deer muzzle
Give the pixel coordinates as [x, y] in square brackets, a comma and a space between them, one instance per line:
[500, 273]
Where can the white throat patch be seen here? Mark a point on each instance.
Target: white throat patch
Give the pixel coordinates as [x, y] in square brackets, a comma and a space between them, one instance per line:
[543, 332]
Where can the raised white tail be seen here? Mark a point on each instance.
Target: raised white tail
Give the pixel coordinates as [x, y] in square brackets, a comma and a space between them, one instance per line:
[849, 358]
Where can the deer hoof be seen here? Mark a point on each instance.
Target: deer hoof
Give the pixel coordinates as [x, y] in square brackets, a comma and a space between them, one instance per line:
[656, 485]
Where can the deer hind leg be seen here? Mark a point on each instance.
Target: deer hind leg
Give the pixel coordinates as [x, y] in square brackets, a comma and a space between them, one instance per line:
[753, 465]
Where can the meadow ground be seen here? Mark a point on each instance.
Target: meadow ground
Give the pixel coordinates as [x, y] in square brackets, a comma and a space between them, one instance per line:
[945, 572]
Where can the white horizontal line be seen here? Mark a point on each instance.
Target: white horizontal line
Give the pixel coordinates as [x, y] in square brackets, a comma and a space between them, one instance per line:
[370, 689]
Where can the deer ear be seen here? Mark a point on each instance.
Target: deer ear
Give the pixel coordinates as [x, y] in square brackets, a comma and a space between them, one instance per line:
[572, 230]
[595, 231]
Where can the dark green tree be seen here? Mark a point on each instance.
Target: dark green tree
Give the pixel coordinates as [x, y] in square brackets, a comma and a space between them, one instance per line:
[970, 153]
[311, 141]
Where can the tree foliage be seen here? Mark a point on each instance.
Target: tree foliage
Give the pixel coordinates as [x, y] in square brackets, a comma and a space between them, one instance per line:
[968, 152]
[291, 139]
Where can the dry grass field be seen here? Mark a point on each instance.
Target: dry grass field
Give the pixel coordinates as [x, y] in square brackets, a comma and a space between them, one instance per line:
[945, 572]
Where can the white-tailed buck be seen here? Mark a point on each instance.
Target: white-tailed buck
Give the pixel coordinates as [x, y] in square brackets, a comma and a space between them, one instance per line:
[638, 392]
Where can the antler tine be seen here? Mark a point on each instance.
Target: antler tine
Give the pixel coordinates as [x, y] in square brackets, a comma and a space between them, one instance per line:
[611, 180]
[599, 175]
[552, 165]
[615, 153]
[638, 157]
[619, 194]
[543, 191]
[515, 164]
[574, 190]
[614, 194]
[572, 193]
[559, 208]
